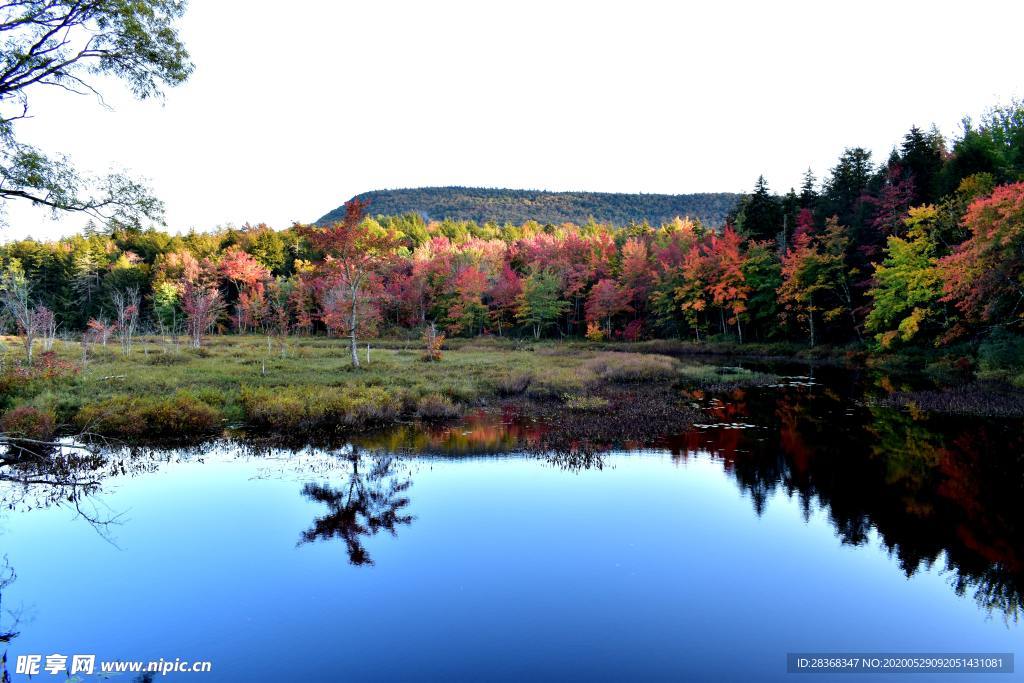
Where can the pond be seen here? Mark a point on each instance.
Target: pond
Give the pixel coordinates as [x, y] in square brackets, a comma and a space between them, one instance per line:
[795, 517]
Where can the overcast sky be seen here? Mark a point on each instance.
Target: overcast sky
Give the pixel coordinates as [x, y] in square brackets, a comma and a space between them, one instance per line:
[295, 107]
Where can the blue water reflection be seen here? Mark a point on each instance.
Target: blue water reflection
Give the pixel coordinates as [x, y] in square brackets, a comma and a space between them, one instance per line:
[352, 566]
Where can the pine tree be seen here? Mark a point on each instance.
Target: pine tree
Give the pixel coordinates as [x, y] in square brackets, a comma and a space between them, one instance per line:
[847, 185]
[921, 157]
[808, 195]
[761, 215]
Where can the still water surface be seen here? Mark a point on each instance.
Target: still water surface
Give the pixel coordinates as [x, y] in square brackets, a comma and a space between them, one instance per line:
[794, 518]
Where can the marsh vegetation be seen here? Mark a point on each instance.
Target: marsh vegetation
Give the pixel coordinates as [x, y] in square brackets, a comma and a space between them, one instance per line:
[237, 382]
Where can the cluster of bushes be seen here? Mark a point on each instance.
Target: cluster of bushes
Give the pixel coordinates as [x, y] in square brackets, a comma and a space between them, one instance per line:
[723, 378]
[573, 385]
[998, 359]
[437, 407]
[513, 383]
[182, 414]
[632, 368]
[29, 422]
[191, 413]
[319, 407]
[47, 367]
[1001, 357]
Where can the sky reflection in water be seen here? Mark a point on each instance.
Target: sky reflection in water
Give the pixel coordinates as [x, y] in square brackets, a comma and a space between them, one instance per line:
[712, 554]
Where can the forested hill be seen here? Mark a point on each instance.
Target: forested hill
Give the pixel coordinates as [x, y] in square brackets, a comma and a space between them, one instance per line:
[517, 206]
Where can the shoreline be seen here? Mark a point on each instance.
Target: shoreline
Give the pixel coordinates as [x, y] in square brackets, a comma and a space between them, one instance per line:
[240, 382]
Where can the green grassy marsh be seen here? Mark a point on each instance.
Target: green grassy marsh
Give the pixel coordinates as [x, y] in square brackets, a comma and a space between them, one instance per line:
[164, 390]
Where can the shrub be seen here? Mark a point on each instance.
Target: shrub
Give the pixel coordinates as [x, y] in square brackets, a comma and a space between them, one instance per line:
[59, 402]
[47, 367]
[120, 416]
[724, 378]
[561, 379]
[633, 330]
[633, 367]
[949, 371]
[436, 407]
[182, 414]
[432, 343]
[281, 409]
[513, 383]
[318, 406]
[555, 349]
[1002, 351]
[594, 332]
[29, 423]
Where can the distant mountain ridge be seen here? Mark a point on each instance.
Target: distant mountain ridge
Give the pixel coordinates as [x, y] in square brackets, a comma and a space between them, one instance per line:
[501, 206]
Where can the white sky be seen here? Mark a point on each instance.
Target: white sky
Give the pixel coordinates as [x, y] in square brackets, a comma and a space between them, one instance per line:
[295, 107]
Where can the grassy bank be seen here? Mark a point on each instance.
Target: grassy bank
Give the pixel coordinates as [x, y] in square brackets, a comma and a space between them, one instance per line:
[238, 381]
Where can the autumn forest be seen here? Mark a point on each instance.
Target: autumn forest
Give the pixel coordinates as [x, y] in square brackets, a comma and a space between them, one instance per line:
[664, 416]
[922, 250]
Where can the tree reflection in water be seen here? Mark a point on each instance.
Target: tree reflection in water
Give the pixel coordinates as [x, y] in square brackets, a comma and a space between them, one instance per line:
[35, 475]
[933, 490]
[370, 501]
[8, 620]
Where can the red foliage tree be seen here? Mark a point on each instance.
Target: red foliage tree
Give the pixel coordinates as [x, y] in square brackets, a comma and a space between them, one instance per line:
[242, 269]
[804, 223]
[637, 276]
[336, 306]
[468, 313]
[249, 277]
[251, 308]
[100, 330]
[352, 253]
[202, 304]
[503, 294]
[984, 277]
[727, 284]
[406, 295]
[606, 301]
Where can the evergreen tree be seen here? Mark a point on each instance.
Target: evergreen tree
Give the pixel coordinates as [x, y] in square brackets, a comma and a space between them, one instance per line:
[760, 217]
[808, 195]
[847, 185]
[790, 211]
[762, 272]
[921, 158]
[87, 279]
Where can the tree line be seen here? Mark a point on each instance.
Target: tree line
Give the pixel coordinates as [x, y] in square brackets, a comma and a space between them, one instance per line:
[925, 249]
[494, 205]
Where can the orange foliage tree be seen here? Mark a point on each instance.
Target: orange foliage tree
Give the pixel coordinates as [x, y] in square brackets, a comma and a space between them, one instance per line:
[984, 277]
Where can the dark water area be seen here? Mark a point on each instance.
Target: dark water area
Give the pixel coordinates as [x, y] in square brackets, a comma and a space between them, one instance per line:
[797, 516]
